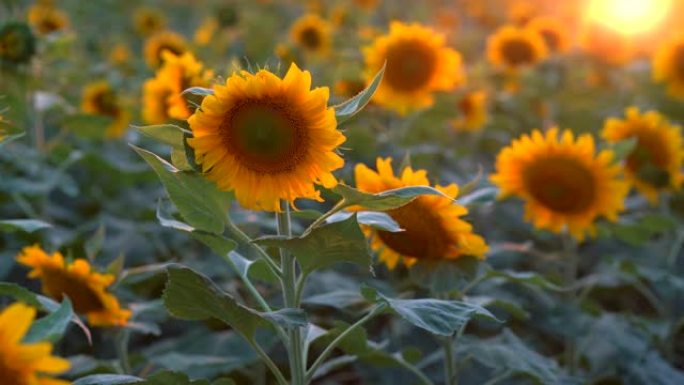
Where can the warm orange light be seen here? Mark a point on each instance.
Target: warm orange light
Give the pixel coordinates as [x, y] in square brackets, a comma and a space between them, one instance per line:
[629, 16]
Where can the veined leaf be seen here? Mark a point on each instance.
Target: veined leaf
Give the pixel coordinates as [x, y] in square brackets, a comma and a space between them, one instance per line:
[385, 200]
[346, 110]
[165, 133]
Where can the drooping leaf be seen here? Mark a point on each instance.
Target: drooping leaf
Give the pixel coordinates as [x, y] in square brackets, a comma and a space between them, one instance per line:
[25, 225]
[327, 245]
[385, 200]
[51, 327]
[192, 296]
[165, 133]
[198, 200]
[346, 110]
[375, 219]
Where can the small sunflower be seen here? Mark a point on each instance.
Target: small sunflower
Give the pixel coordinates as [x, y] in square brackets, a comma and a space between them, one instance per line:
[26, 364]
[311, 33]
[17, 43]
[418, 63]
[267, 138]
[656, 161]
[99, 98]
[514, 48]
[160, 42]
[86, 289]
[47, 19]
[553, 31]
[668, 65]
[473, 109]
[162, 97]
[148, 21]
[120, 54]
[564, 183]
[433, 229]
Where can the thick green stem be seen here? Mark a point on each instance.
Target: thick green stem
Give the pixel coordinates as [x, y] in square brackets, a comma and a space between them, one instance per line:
[329, 349]
[289, 284]
[449, 369]
[571, 268]
[270, 364]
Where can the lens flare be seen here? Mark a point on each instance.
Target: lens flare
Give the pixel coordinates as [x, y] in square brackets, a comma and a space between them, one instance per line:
[629, 16]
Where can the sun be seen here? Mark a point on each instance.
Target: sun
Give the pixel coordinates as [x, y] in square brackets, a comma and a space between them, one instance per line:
[629, 17]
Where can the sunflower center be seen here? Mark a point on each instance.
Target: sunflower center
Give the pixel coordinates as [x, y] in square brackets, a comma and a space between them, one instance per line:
[57, 283]
[423, 235]
[561, 184]
[679, 61]
[310, 38]
[265, 136]
[466, 106]
[518, 52]
[410, 66]
[11, 45]
[649, 161]
[551, 39]
[10, 375]
[106, 103]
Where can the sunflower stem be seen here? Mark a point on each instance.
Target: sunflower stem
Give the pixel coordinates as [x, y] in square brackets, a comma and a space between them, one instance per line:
[320, 220]
[449, 369]
[571, 269]
[122, 339]
[289, 284]
[324, 355]
[246, 241]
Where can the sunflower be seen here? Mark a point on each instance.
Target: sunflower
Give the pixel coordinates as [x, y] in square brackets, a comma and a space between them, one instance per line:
[86, 289]
[99, 98]
[120, 54]
[418, 63]
[148, 21]
[514, 48]
[655, 162]
[26, 364]
[311, 33]
[17, 43]
[553, 31]
[565, 184]
[267, 138]
[160, 42]
[668, 65]
[605, 44]
[432, 227]
[162, 97]
[47, 19]
[473, 109]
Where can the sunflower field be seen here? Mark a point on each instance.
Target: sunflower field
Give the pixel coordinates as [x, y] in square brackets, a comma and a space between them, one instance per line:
[321, 192]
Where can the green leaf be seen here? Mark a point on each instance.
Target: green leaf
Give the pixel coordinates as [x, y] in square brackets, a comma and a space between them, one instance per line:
[217, 243]
[198, 200]
[19, 293]
[86, 125]
[164, 133]
[385, 200]
[198, 91]
[524, 277]
[623, 148]
[257, 269]
[346, 110]
[10, 138]
[439, 317]
[192, 296]
[287, 317]
[25, 225]
[171, 378]
[93, 245]
[51, 327]
[107, 379]
[375, 219]
[444, 276]
[339, 299]
[327, 245]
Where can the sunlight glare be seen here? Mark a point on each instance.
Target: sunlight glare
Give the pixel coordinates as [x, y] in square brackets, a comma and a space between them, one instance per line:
[629, 16]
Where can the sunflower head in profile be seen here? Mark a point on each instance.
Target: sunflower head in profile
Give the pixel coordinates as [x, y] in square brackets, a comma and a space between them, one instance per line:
[668, 65]
[99, 98]
[606, 45]
[418, 63]
[47, 19]
[565, 184]
[86, 289]
[162, 96]
[17, 43]
[26, 363]
[312, 34]
[148, 21]
[655, 162]
[514, 48]
[266, 138]
[473, 111]
[555, 34]
[433, 228]
[160, 42]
